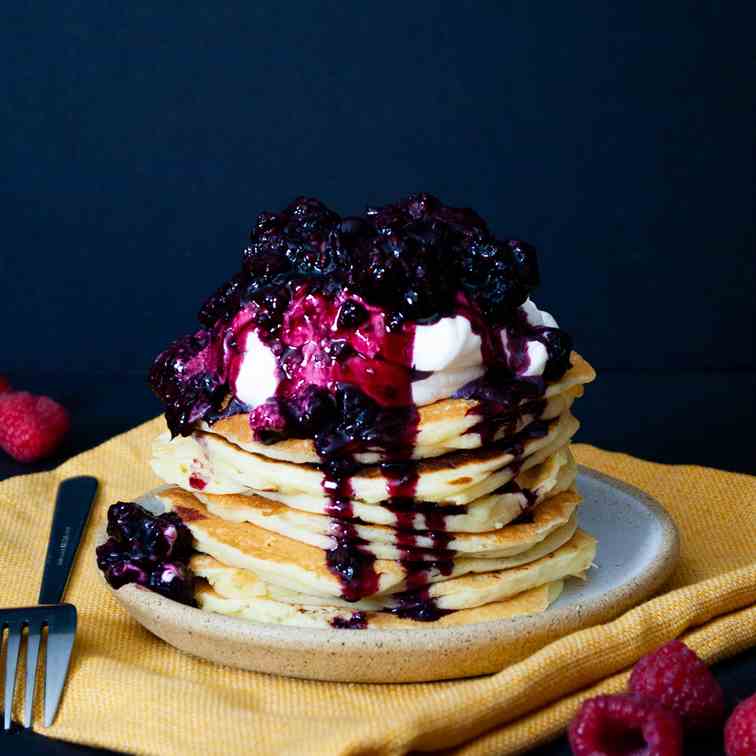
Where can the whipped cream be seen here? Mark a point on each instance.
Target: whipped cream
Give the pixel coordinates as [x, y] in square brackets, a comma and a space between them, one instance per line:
[451, 352]
[537, 317]
[448, 344]
[257, 379]
[536, 351]
[446, 353]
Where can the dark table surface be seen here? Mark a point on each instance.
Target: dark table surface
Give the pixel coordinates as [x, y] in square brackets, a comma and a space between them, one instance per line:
[670, 417]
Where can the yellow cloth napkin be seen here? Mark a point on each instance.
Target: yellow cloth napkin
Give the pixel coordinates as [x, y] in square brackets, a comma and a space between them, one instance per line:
[131, 692]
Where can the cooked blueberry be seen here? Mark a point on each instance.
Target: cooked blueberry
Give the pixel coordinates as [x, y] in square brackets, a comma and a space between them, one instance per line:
[351, 315]
[124, 521]
[182, 378]
[339, 350]
[173, 580]
[354, 226]
[224, 304]
[266, 223]
[177, 535]
[269, 421]
[310, 410]
[109, 553]
[525, 260]
[394, 321]
[558, 348]
[272, 303]
[420, 205]
[125, 572]
[262, 263]
[147, 549]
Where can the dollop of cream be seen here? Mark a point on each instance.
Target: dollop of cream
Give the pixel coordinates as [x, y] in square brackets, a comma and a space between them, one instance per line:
[450, 351]
[447, 344]
[537, 317]
[537, 354]
[257, 379]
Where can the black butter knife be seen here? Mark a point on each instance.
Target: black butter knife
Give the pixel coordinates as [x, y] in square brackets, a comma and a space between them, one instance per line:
[72, 508]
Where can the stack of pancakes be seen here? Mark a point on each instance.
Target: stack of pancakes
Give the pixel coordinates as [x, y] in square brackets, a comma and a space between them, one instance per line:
[478, 523]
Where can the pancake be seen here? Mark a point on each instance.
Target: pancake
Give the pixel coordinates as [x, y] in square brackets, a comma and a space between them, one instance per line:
[460, 415]
[571, 560]
[236, 583]
[442, 426]
[223, 467]
[385, 542]
[493, 510]
[468, 592]
[266, 611]
[273, 558]
[293, 565]
[464, 594]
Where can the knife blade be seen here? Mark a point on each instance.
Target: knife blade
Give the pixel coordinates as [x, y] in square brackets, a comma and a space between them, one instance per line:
[72, 507]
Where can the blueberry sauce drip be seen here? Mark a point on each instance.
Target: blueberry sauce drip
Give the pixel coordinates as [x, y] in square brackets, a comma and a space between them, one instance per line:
[361, 423]
[531, 497]
[525, 518]
[417, 605]
[402, 480]
[515, 445]
[418, 563]
[348, 559]
[149, 550]
[356, 621]
[501, 419]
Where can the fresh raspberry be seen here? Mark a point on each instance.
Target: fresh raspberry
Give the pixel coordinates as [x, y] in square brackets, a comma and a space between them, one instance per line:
[675, 677]
[31, 427]
[4, 384]
[740, 730]
[625, 726]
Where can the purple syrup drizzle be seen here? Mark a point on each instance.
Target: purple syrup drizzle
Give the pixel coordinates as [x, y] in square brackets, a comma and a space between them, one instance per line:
[348, 560]
[364, 425]
[526, 511]
[356, 621]
[417, 605]
[402, 480]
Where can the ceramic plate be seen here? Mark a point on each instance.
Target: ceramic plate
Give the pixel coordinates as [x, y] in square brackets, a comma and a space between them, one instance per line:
[637, 552]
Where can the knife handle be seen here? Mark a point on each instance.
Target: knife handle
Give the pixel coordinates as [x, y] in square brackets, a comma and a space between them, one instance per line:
[72, 507]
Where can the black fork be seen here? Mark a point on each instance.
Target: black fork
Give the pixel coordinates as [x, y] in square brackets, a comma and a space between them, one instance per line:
[72, 507]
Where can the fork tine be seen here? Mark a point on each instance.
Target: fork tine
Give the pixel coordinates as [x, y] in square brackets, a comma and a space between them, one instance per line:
[11, 664]
[61, 631]
[32, 655]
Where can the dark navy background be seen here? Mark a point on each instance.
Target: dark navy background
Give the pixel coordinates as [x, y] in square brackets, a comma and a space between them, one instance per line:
[139, 140]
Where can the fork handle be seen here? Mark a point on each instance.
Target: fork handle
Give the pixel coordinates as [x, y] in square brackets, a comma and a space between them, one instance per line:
[72, 507]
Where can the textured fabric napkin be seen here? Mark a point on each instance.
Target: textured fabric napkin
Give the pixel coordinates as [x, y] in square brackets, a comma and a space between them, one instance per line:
[131, 692]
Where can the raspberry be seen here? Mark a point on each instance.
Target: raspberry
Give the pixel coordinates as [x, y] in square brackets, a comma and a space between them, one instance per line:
[675, 677]
[4, 384]
[740, 730]
[625, 725]
[31, 427]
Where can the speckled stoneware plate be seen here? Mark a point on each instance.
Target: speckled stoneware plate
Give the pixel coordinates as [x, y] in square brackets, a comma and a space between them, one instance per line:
[637, 552]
